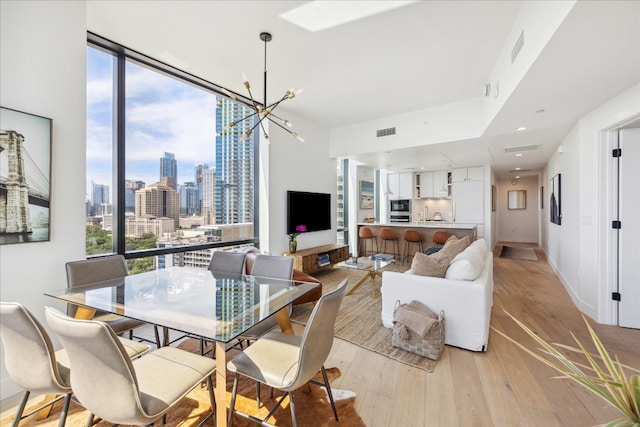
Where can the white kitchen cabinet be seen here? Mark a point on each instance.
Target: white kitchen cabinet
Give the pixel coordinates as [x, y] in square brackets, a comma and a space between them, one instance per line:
[467, 191]
[467, 174]
[424, 185]
[431, 184]
[441, 184]
[469, 202]
[401, 185]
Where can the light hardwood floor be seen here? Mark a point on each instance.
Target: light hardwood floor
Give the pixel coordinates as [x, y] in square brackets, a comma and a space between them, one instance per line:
[502, 387]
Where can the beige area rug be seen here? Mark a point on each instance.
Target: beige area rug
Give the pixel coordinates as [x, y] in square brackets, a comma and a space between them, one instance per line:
[312, 408]
[359, 317]
[514, 252]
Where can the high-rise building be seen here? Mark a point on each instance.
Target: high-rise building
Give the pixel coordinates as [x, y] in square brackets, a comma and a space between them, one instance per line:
[209, 196]
[234, 164]
[130, 187]
[158, 200]
[99, 196]
[169, 169]
[189, 199]
[198, 172]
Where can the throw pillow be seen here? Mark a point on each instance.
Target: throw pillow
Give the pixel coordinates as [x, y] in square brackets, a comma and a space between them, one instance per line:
[432, 250]
[481, 244]
[424, 265]
[452, 248]
[467, 265]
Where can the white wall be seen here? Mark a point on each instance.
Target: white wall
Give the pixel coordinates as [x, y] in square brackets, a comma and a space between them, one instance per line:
[300, 166]
[519, 225]
[43, 71]
[577, 249]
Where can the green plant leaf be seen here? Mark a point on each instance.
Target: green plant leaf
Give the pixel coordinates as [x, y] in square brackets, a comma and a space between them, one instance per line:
[606, 377]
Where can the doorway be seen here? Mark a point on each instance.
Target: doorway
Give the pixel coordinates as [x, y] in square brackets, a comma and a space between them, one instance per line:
[626, 201]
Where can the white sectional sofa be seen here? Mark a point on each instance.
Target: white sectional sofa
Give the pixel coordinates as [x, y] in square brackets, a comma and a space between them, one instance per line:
[466, 301]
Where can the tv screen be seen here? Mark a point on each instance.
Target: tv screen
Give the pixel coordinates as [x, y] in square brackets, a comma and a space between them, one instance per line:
[310, 209]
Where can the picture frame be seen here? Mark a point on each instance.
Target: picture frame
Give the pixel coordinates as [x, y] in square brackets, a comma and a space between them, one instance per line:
[555, 200]
[516, 199]
[494, 196]
[366, 195]
[25, 177]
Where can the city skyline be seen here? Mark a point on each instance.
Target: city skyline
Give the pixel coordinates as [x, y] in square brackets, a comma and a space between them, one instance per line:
[178, 119]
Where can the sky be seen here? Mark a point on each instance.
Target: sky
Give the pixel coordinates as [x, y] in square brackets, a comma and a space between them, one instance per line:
[162, 115]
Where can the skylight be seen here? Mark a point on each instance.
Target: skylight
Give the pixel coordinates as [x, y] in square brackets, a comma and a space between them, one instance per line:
[320, 15]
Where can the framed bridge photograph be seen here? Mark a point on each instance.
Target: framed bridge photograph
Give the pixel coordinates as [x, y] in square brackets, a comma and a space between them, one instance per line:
[25, 177]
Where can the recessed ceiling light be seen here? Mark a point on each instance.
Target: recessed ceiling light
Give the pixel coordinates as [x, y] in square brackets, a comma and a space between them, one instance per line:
[518, 154]
[321, 15]
[517, 169]
[521, 128]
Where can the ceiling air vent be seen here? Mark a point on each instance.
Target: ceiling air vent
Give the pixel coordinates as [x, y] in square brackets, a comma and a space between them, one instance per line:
[385, 132]
[521, 148]
[516, 48]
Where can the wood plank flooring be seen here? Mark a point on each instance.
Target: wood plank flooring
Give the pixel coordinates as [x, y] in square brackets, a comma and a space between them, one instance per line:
[502, 387]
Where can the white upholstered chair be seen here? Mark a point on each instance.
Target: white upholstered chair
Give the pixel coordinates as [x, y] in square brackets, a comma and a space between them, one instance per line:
[287, 362]
[274, 267]
[92, 270]
[115, 388]
[227, 263]
[31, 362]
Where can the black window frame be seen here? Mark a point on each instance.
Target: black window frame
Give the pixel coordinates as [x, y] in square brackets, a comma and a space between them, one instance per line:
[121, 55]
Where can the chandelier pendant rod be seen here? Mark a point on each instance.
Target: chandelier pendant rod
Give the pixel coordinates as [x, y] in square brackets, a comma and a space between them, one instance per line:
[266, 38]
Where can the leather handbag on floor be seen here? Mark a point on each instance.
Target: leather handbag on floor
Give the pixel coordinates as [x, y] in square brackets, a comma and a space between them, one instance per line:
[418, 330]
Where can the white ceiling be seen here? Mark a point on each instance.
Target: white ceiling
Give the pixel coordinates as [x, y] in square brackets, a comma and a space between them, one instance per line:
[422, 55]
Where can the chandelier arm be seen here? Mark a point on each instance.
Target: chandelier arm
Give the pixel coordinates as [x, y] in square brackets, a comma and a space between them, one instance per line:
[275, 104]
[264, 131]
[253, 101]
[246, 117]
[283, 127]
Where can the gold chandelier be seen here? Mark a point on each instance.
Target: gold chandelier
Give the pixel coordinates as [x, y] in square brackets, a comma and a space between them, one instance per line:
[265, 111]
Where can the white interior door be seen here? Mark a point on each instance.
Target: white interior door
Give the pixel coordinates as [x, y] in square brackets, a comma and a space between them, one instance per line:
[629, 233]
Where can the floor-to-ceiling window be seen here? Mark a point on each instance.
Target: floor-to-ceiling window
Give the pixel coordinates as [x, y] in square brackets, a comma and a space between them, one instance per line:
[167, 181]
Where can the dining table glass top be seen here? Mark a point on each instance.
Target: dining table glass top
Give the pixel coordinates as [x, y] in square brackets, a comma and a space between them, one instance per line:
[196, 301]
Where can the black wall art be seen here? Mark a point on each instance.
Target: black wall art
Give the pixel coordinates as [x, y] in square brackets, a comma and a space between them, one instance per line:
[555, 200]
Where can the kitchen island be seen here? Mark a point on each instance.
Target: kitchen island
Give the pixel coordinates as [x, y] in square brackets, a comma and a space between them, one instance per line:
[425, 229]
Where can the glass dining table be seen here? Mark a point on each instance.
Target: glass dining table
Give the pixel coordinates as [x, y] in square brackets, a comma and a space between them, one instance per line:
[195, 301]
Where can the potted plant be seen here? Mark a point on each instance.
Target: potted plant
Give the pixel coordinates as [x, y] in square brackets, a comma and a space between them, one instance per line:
[601, 374]
[293, 244]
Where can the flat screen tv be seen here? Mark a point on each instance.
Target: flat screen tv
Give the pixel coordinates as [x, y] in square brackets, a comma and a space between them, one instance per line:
[310, 209]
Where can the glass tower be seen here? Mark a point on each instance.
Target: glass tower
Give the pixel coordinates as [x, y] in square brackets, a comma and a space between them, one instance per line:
[234, 164]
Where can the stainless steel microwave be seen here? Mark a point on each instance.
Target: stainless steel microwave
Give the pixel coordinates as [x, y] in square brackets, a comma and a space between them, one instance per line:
[400, 206]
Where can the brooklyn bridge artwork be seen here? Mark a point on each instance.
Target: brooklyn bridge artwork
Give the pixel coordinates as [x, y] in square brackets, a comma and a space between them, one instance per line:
[25, 175]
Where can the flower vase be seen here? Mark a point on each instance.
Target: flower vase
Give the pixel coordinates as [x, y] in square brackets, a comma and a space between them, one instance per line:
[293, 246]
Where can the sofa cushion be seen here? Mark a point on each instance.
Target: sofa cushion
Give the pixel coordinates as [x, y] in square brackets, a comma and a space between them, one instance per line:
[480, 243]
[424, 265]
[467, 265]
[452, 248]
